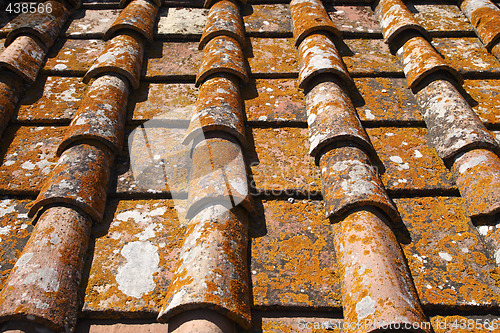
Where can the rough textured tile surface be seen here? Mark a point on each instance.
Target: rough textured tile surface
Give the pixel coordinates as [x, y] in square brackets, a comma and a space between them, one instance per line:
[28, 161]
[73, 56]
[170, 101]
[181, 21]
[467, 55]
[52, 99]
[276, 100]
[282, 162]
[270, 19]
[409, 162]
[272, 56]
[289, 324]
[89, 23]
[137, 247]
[172, 59]
[440, 18]
[486, 99]
[354, 19]
[386, 100]
[294, 264]
[448, 260]
[369, 56]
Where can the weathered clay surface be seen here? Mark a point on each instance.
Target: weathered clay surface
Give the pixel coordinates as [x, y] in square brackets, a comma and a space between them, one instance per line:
[369, 57]
[73, 56]
[43, 285]
[209, 3]
[172, 59]
[122, 55]
[29, 154]
[222, 54]
[409, 163]
[212, 268]
[267, 19]
[224, 19]
[101, 115]
[125, 3]
[294, 263]
[218, 108]
[440, 18]
[91, 23]
[79, 179]
[138, 16]
[181, 21]
[318, 55]
[41, 24]
[354, 19]
[138, 245]
[420, 60]
[377, 287]
[271, 56]
[52, 99]
[308, 17]
[485, 17]
[453, 125]
[332, 119]
[448, 259]
[218, 176]
[24, 57]
[349, 181]
[274, 100]
[487, 95]
[395, 18]
[10, 92]
[467, 55]
[477, 174]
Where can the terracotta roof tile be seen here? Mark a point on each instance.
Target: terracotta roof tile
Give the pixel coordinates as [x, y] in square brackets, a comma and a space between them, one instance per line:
[139, 16]
[440, 19]
[91, 23]
[267, 20]
[485, 17]
[24, 57]
[166, 60]
[123, 55]
[486, 93]
[223, 20]
[10, 91]
[210, 3]
[354, 19]
[73, 56]
[181, 22]
[272, 57]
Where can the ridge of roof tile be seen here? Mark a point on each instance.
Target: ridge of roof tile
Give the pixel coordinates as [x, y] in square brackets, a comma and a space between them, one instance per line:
[309, 17]
[218, 108]
[104, 103]
[212, 272]
[122, 55]
[126, 3]
[10, 94]
[223, 19]
[210, 3]
[395, 18]
[138, 16]
[24, 56]
[222, 54]
[485, 17]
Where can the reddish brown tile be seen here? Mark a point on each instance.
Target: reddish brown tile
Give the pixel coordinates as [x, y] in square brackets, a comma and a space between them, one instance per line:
[139, 16]
[440, 18]
[294, 263]
[276, 100]
[486, 96]
[271, 56]
[92, 326]
[91, 23]
[485, 17]
[310, 16]
[354, 19]
[369, 57]
[181, 22]
[409, 162]
[267, 19]
[29, 154]
[224, 19]
[136, 249]
[122, 55]
[73, 56]
[448, 260]
[172, 59]
[11, 89]
[296, 324]
[24, 57]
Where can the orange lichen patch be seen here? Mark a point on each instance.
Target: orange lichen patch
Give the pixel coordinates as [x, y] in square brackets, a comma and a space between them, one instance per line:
[487, 95]
[91, 23]
[138, 16]
[276, 100]
[224, 19]
[73, 56]
[15, 228]
[282, 165]
[267, 19]
[51, 99]
[386, 99]
[28, 156]
[167, 101]
[355, 19]
[441, 18]
[485, 17]
[409, 162]
[467, 55]
[463, 324]
[272, 56]
[368, 57]
[297, 324]
[294, 263]
[135, 250]
[449, 262]
[172, 59]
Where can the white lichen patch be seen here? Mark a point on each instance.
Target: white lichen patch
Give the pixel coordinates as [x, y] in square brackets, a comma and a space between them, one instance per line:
[365, 307]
